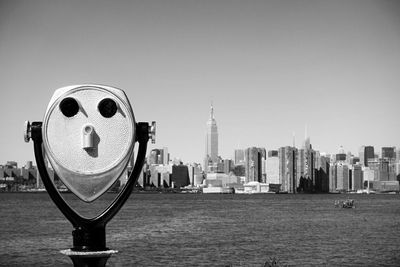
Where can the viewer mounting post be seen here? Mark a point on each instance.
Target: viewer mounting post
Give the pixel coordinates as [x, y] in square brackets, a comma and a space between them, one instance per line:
[88, 135]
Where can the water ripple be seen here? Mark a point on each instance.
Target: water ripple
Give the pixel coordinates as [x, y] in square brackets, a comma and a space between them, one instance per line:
[213, 230]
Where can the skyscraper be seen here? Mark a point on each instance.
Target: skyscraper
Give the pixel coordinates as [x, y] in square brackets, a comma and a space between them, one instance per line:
[384, 169]
[332, 177]
[389, 153]
[342, 171]
[254, 158]
[365, 153]
[287, 169]
[322, 175]
[155, 157]
[306, 160]
[211, 139]
[158, 156]
[239, 156]
[227, 165]
[342, 177]
[300, 163]
[341, 156]
[273, 167]
[165, 156]
[356, 177]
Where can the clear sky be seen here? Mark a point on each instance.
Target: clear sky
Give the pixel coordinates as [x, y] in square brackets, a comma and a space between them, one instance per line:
[269, 67]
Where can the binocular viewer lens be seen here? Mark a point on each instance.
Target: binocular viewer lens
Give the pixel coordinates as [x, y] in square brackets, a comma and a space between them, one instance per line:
[107, 107]
[69, 107]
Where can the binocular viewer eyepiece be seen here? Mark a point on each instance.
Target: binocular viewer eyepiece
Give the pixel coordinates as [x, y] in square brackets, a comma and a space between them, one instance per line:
[89, 133]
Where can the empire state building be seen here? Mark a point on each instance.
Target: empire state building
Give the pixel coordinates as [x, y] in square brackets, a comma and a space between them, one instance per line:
[211, 140]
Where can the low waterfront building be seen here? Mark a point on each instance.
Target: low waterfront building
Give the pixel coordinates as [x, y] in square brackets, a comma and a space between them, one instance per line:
[385, 186]
[218, 190]
[255, 187]
[221, 179]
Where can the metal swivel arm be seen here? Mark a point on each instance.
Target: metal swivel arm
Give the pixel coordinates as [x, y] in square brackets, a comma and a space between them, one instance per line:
[89, 233]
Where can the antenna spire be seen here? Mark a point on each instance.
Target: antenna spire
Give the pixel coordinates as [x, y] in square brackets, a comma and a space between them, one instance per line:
[305, 132]
[294, 139]
[212, 111]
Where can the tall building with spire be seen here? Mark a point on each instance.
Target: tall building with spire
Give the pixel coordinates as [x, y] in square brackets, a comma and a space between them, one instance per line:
[211, 155]
[307, 144]
[306, 160]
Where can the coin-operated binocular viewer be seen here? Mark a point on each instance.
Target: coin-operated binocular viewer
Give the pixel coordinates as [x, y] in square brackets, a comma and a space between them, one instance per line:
[88, 135]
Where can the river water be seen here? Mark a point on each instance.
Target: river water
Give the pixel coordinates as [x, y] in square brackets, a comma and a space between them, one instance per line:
[211, 230]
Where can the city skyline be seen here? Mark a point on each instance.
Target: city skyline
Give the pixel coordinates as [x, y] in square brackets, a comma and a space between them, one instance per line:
[270, 68]
[211, 148]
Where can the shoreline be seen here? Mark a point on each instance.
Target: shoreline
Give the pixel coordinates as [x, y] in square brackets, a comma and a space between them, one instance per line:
[177, 191]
